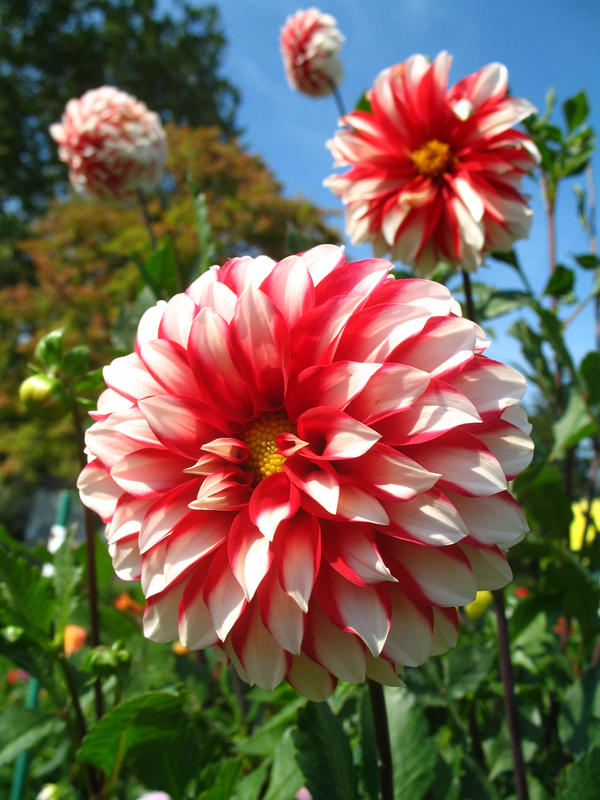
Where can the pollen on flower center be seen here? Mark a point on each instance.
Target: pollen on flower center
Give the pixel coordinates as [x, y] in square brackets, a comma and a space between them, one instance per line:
[260, 437]
[433, 158]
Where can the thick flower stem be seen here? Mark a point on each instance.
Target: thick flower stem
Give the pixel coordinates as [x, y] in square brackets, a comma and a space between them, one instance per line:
[510, 701]
[90, 555]
[468, 295]
[147, 220]
[382, 739]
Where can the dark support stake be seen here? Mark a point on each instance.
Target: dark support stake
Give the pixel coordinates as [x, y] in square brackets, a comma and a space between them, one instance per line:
[382, 739]
[510, 701]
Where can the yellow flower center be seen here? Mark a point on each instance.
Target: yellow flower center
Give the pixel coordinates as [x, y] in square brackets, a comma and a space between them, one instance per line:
[260, 437]
[433, 158]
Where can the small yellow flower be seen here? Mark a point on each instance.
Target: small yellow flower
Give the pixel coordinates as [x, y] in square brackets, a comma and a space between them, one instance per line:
[577, 529]
[479, 606]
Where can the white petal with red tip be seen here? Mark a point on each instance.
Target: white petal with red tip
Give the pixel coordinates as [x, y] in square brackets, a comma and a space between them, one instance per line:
[394, 387]
[334, 435]
[356, 505]
[310, 679]
[249, 554]
[430, 517]
[196, 629]
[272, 501]
[149, 472]
[445, 630]
[443, 574]
[332, 385]
[512, 447]
[339, 652]
[409, 638]
[223, 596]
[177, 319]
[98, 490]
[167, 362]
[263, 659]
[446, 343]
[322, 260]
[320, 484]
[490, 567]
[489, 385]
[148, 324]
[381, 671]
[391, 472]
[282, 616]
[299, 545]
[126, 559]
[129, 376]
[496, 520]
[161, 616]
[355, 556]
[290, 288]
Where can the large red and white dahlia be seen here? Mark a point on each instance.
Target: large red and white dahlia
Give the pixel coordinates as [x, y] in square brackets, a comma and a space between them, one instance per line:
[306, 465]
[111, 142]
[310, 44]
[435, 171]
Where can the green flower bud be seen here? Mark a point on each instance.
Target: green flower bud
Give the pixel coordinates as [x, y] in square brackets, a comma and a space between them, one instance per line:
[45, 397]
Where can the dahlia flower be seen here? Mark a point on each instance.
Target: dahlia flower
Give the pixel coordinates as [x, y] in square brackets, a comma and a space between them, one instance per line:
[435, 172]
[310, 43]
[305, 463]
[112, 143]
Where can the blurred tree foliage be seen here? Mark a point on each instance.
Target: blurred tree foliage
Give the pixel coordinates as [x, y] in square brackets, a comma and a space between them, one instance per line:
[87, 257]
[52, 50]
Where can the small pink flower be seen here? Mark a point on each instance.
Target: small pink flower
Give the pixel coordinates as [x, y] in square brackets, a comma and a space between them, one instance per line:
[434, 172]
[112, 143]
[305, 463]
[310, 43]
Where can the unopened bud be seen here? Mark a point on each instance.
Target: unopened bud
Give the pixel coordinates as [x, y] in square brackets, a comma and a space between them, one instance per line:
[44, 396]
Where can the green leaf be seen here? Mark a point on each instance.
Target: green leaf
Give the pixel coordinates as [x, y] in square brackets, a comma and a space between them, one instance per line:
[323, 754]
[414, 768]
[24, 728]
[91, 382]
[130, 727]
[225, 780]
[168, 767]
[561, 281]
[574, 425]
[589, 370]
[508, 257]
[48, 350]
[159, 271]
[576, 110]
[580, 780]
[579, 720]
[67, 575]
[533, 488]
[588, 261]
[206, 245]
[76, 361]
[250, 786]
[285, 778]
[499, 303]
[364, 104]
[580, 198]
[26, 597]
[468, 667]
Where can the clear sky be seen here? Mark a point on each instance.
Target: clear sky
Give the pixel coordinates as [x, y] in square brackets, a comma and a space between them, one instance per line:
[542, 42]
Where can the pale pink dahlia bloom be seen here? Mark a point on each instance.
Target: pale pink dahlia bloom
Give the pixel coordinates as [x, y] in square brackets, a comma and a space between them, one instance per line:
[310, 43]
[435, 172]
[306, 465]
[111, 142]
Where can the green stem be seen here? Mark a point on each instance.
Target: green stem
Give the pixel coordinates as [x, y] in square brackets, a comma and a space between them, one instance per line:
[468, 295]
[382, 740]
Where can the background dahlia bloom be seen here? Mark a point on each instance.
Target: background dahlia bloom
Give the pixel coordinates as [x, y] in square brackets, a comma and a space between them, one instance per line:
[112, 143]
[310, 43]
[435, 172]
[305, 463]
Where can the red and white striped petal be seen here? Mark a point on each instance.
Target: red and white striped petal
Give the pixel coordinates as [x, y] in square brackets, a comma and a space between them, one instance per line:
[430, 518]
[165, 512]
[249, 552]
[332, 385]
[445, 630]
[490, 385]
[161, 616]
[382, 671]
[409, 639]
[149, 323]
[223, 595]
[98, 490]
[310, 679]
[166, 361]
[264, 661]
[177, 319]
[363, 610]
[442, 573]
[126, 559]
[149, 472]
[298, 557]
[180, 425]
[281, 615]
[512, 447]
[129, 377]
[290, 289]
[489, 565]
[390, 472]
[318, 481]
[273, 500]
[127, 519]
[340, 653]
[334, 435]
[394, 387]
[496, 520]
[465, 464]
[446, 343]
[225, 489]
[195, 628]
[352, 552]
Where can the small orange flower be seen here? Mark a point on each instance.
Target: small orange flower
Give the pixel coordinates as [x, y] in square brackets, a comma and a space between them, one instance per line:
[15, 675]
[126, 603]
[521, 591]
[75, 638]
[179, 649]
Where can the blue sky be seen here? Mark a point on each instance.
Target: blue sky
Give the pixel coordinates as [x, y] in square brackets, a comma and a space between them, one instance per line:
[542, 42]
